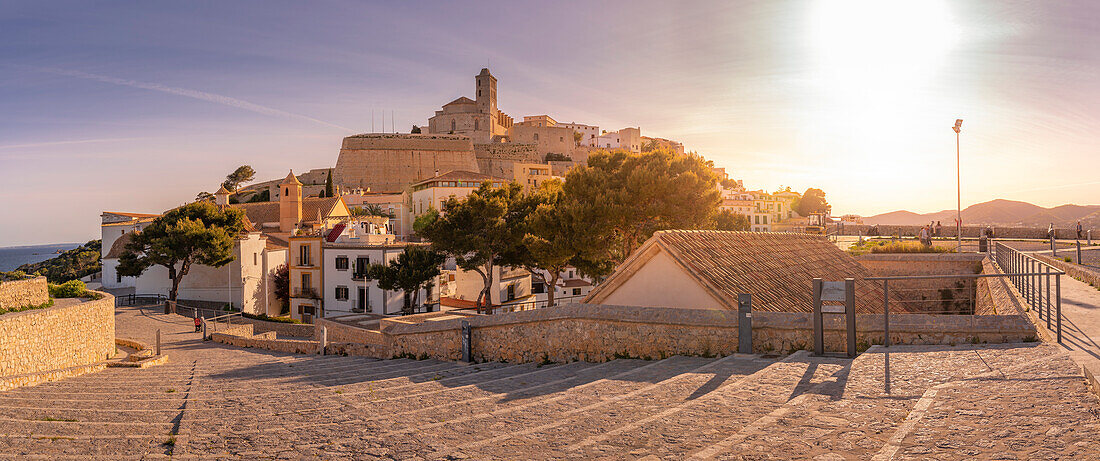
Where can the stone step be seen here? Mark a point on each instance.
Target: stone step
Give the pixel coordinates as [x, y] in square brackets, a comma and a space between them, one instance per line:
[48, 428]
[855, 414]
[451, 428]
[695, 423]
[541, 429]
[113, 446]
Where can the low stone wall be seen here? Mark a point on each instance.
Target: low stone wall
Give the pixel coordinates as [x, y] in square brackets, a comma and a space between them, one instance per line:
[339, 333]
[601, 332]
[266, 341]
[56, 338]
[20, 293]
[297, 330]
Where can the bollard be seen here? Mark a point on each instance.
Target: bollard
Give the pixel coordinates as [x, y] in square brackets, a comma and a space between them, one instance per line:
[886, 313]
[158, 341]
[1053, 248]
[323, 342]
[1078, 252]
[744, 323]
[1058, 306]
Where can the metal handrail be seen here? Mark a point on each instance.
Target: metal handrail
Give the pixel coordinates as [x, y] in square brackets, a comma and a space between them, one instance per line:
[1031, 277]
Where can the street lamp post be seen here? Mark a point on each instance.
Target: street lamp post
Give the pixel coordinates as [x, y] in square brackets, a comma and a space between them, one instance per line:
[958, 185]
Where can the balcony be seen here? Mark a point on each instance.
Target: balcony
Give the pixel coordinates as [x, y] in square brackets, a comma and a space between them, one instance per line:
[305, 262]
[309, 293]
[360, 276]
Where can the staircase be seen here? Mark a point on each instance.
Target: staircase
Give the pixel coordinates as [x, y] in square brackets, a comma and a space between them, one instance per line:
[212, 400]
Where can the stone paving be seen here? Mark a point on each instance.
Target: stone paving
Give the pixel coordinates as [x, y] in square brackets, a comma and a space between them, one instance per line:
[215, 401]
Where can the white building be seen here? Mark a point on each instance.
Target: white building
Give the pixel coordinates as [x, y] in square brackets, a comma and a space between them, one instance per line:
[626, 138]
[433, 192]
[510, 286]
[113, 227]
[589, 133]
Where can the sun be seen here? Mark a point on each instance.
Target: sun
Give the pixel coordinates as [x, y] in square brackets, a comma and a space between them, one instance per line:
[880, 43]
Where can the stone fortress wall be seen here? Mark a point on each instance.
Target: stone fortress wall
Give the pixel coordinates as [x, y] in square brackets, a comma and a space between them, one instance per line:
[497, 159]
[1000, 232]
[55, 338]
[26, 292]
[390, 162]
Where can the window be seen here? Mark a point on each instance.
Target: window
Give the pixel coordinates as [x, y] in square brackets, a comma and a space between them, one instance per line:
[476, 124]
[361, 265]
[757, 219]
[452, 125]
[765, 219]
[306, 282]
[255, 259]
[118, 277]
[511, 292]
[561, 138]
[303, 255]
[536, 136]
[342, 293]
[341, 263]
[287, 192]
[576, 292]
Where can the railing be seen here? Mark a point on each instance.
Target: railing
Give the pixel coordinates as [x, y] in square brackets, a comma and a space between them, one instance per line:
[531, 305]
[211, 325]
[971, 301]
[135, 299]
[1032, 278]
[305, 293]
[307, 262]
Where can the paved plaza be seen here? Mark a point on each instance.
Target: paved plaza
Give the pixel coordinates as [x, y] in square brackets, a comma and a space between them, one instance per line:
[215, 401]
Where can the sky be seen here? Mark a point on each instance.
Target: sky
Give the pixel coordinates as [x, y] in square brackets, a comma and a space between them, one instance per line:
[138, 106]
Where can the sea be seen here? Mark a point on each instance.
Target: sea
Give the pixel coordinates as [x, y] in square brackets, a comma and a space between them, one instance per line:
[13, 257]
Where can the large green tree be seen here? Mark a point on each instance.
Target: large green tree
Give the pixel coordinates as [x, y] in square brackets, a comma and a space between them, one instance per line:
[241, 175]
[479, 231]
[812, 201]
[626, 197]
[196, 233]
[414, 270]
[553, 230]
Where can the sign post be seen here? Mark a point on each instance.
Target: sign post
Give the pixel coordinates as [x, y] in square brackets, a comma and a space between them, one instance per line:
[844, 292]
[744, 323]
[466, 341]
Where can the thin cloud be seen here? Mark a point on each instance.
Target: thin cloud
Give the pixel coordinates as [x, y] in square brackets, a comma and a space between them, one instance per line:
[62, 143]
[189, 93]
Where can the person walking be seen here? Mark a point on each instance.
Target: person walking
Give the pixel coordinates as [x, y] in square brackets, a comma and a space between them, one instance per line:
[1078, 230]
[925, 239]
[198, 324]
[939, 229]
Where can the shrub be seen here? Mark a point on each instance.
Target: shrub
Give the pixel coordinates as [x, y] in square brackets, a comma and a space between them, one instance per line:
[70, 289]
[1067, 259]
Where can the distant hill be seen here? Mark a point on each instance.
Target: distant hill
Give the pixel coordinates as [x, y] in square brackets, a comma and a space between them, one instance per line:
[69, 265]
[1001, 213]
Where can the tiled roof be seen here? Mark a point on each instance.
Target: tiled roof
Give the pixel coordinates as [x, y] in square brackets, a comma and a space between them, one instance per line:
[132, 215]
[335, 232]
[776, 268]
[459, 175]
[119, 246]
[574, 283]
[461, 100]
[268, 212]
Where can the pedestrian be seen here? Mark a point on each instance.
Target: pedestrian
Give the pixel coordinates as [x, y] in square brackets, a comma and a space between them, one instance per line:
[939, 228]
[925, 239]
[198, 324]
[1078, 230]
[1050, 232]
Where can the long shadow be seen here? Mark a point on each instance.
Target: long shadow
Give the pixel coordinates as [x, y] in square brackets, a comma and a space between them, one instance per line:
[719, 378]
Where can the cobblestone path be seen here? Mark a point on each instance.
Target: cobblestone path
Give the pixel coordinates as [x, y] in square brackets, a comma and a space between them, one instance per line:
[212, 401]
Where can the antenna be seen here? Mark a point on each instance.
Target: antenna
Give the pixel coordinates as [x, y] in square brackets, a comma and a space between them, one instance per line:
[372, 120]
[393, 126]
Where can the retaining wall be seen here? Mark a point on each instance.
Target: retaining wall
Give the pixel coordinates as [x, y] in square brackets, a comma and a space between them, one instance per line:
[967, 231]
[20, 293]
[297, 330]
[927, 295]
[58, 337]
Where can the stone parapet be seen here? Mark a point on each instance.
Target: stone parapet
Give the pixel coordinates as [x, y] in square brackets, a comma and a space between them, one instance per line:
[297, 330]
[56, 338]
[27, 292]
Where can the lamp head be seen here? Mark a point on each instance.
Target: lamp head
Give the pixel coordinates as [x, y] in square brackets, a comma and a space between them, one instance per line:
[958, 125]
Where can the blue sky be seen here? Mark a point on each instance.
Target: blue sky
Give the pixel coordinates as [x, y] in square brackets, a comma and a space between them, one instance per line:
[137, 106]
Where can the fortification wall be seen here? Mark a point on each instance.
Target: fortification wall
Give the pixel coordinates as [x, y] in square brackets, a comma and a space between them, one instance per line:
[967, 231]
[390, 162]
[26, 292]
[59, 337]
[928, 295]
[498, 159]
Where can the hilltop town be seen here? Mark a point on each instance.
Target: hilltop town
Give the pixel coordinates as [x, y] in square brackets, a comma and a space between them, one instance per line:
[366, 204]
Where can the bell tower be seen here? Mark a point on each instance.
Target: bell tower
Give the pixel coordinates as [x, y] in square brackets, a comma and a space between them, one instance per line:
[487, 93]
[290, 203]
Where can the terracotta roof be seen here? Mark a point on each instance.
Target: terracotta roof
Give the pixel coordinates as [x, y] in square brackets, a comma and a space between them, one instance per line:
[291, 179]
[459, 175]
[222, 191]
[268, 212]
[335, 232]
[461, 100]
[119, 246]
[574, 283]
[776, 268]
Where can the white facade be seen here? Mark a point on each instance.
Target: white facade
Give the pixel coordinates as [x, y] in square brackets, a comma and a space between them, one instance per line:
[346, 290]
[246, 282]
[113, 227]
[608, 141]
[589, 133]
[509, 285]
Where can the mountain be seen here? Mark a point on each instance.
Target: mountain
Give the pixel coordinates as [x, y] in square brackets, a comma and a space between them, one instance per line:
[1001, 213]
